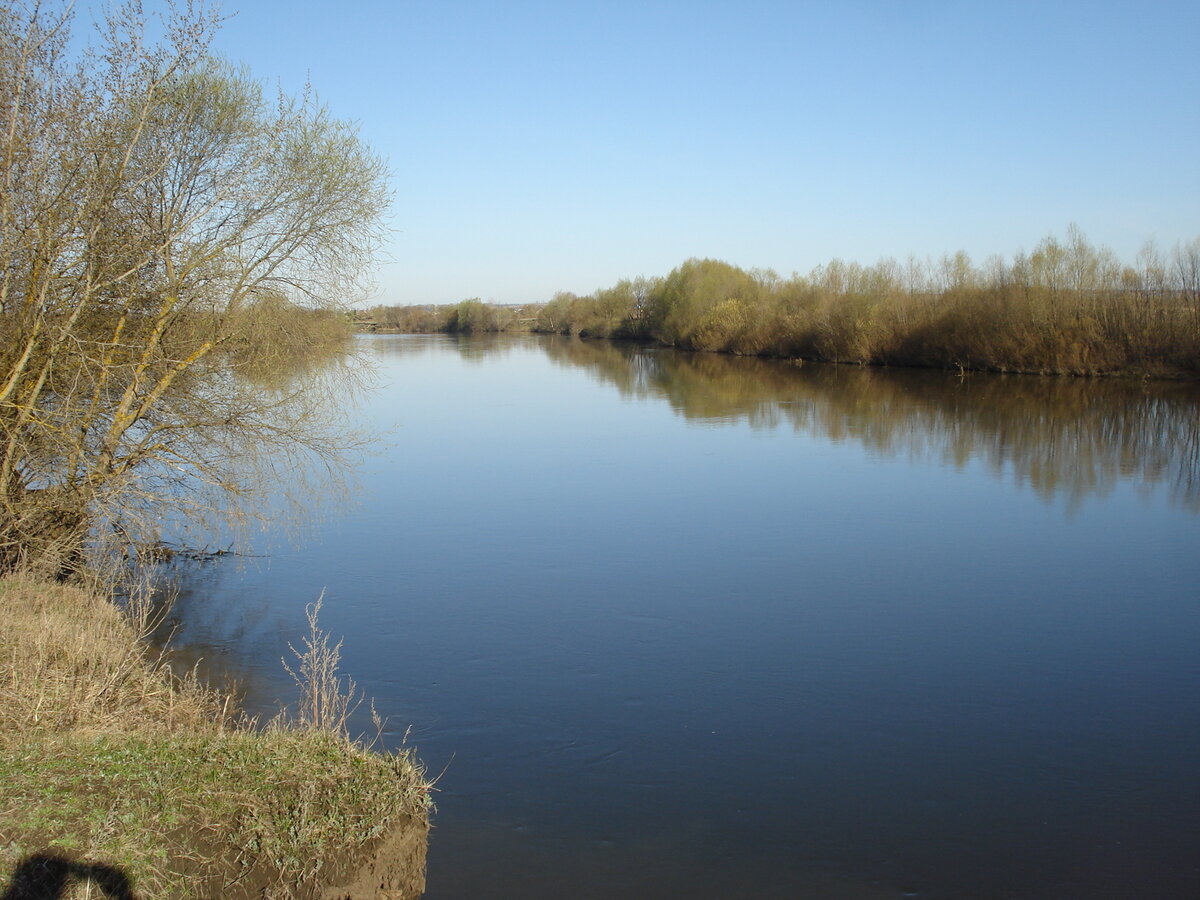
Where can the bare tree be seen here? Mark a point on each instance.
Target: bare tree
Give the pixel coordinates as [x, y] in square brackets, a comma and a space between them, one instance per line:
[161, 214]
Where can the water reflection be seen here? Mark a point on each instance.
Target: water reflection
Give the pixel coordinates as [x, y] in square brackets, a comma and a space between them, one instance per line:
[749, 657]
[470, 347]
[198, 629]
[1063, 437]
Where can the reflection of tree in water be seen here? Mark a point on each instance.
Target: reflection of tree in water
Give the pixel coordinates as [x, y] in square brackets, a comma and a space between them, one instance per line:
[483, 346]
[475, 347]
[1068, 437]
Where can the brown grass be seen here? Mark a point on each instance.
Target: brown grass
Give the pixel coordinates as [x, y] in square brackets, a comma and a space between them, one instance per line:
[71, 660]
[327, 697]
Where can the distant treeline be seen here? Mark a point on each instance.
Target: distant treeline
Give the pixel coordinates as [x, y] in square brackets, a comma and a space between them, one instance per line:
[466, 317]
[1066, 307]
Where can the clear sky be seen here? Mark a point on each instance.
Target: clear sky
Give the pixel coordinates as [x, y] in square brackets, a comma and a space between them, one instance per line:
[545, 146]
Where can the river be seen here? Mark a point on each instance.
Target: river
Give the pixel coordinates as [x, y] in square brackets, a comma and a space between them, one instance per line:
[690, 626]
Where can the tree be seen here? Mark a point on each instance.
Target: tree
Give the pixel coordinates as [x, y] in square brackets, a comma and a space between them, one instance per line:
[679, 302]
[160, 216]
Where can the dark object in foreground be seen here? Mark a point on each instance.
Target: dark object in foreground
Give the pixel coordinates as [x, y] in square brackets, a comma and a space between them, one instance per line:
[46, 876]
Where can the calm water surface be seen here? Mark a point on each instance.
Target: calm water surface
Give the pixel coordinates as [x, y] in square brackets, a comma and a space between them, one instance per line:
[687, 626]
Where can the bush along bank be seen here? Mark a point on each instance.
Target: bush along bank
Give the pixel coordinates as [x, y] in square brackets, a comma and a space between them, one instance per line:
[1067, 307]
[122, 780]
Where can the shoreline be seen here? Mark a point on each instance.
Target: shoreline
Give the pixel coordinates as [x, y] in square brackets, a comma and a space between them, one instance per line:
[121, 775]
[1160, 373]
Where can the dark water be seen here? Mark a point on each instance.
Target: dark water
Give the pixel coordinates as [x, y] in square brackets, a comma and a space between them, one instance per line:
[687, 626]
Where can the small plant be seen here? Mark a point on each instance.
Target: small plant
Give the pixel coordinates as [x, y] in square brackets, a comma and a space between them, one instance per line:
[327, 698]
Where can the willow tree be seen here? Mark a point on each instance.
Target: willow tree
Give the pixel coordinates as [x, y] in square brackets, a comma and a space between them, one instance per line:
[160, 212]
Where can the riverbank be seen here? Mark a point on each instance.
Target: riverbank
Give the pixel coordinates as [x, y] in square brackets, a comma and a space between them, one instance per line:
[120, 775]
[1066, 308]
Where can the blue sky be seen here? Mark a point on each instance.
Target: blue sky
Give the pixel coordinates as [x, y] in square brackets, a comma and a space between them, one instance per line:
[539, 147]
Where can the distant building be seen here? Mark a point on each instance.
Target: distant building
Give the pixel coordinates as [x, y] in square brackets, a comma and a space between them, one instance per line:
[365, 322]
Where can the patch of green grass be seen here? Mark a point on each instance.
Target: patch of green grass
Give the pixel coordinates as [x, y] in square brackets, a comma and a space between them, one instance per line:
[183, 813]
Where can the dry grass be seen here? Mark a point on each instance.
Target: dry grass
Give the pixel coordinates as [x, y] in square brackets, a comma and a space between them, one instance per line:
[327, 697]
[71, 660]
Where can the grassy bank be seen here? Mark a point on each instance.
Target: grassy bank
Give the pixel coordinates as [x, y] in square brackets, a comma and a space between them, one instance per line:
[121, 779]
